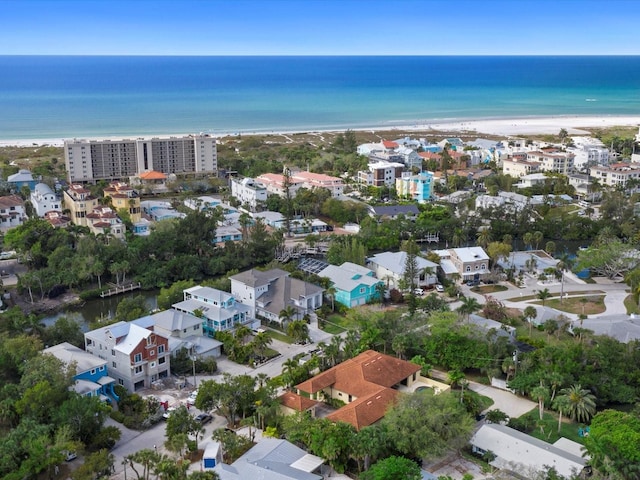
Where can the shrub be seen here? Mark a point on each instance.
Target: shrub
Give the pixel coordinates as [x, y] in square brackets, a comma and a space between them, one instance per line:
[90, 294]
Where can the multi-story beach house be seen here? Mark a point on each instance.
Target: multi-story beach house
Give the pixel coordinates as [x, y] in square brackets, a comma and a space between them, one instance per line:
[469, 263]
[79, 201]
[91, 373]
[136, 355]
[249, 192]
[124, 197]
[90, 160]
[12, 213]
[104, 221]
[381, 173]
[517, 167]
[418, 188]
[44, 200]
[268, 293]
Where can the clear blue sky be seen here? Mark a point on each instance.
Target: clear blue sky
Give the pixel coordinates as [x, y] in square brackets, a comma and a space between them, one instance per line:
[319, 27]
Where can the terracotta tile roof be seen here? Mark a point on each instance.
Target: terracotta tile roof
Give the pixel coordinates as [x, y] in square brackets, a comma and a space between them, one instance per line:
[152, 175]
[430, 155]
[296, 402]
[389, 144]
[367, 378]
[365, 411]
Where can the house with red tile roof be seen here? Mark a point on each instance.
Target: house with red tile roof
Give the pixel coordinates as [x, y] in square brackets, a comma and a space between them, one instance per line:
[367, 384]
[291, 403]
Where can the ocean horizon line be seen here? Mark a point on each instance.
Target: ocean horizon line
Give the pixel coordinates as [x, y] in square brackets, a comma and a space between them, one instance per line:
[494, 126]
[327, 55]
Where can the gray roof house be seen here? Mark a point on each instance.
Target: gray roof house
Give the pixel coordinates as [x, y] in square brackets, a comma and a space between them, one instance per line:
[390, 267]
[272, 459]
[393, 211]
[267, 293]
[624, 328]
[524, 454]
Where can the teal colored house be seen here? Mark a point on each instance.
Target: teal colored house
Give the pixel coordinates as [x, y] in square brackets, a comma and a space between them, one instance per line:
[355, 285]
[91, 378]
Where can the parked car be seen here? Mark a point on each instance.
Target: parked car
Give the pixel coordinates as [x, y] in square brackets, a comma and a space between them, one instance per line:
[418, 291]
[439, 288]
[192, 397]
[169, 411]
[68, 456]
[204, 418]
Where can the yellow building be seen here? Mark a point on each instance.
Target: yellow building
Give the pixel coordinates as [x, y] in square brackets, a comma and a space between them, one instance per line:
[79, 201]
[124, 197]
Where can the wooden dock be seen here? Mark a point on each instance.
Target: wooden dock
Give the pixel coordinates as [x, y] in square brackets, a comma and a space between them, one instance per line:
[118, 289]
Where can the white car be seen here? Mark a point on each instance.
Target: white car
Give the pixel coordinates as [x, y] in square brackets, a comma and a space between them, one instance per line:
[439, 288]
[192, 397]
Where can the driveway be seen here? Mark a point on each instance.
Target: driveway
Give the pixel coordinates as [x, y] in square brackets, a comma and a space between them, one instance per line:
[509, 403]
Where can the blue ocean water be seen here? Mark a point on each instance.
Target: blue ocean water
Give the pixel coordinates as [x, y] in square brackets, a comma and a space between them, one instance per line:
[71, 96]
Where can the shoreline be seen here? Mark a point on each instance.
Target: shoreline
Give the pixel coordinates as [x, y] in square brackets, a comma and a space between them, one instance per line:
[534, 125]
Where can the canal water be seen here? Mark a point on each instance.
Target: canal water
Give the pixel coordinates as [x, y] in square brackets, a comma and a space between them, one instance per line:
[104, 308]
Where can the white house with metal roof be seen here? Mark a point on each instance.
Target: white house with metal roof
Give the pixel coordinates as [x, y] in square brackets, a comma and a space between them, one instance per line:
[390, 267]
[520, 452]
[272, 459]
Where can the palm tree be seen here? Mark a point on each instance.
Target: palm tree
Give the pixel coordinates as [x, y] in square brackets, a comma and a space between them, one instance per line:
[484, 237]
[469, 306]
[298, 330]
[581, 403]
[330, 292]
[538, 236]
[527, 238]
[456, 377]
[529, 314]
[458, 237]
[540, 394]
[543, 295]
[381, 290]
[561, 404]
[287, 314]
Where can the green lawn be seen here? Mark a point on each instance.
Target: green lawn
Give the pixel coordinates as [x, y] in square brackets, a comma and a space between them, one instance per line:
[549, 432]
[276, 335]
[587, 304]
[486, 289]
[337, 323]
[631, 305]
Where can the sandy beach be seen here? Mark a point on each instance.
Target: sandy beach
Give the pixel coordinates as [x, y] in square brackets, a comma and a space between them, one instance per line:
[574, 125]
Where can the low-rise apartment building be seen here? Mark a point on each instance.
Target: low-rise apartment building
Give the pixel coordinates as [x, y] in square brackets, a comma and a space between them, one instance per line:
[616, 174]
[552, 160]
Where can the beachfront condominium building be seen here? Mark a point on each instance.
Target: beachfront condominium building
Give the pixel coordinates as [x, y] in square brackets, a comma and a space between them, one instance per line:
[616, 174]
[552, 160]
[90, 160]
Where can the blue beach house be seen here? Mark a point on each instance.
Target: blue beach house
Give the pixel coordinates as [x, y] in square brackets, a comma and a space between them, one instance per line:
[21, 179]
[92, 377]
[355, 285]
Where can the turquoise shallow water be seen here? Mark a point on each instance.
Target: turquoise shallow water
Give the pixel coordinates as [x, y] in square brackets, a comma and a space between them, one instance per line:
[57, 97]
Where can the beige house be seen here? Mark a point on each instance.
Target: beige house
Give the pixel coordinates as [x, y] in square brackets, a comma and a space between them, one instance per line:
[367, 384]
